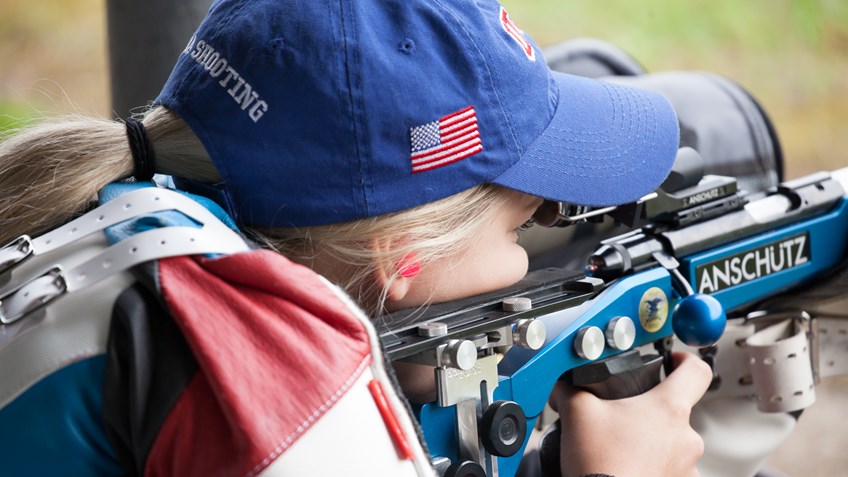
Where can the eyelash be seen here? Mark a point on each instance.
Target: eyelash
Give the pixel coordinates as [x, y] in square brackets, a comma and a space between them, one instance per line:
[526, 225]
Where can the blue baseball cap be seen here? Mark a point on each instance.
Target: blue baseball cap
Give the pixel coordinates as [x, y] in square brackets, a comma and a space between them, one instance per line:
[323, 112]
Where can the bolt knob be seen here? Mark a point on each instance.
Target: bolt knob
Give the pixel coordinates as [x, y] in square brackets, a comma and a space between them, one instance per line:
[699, 320]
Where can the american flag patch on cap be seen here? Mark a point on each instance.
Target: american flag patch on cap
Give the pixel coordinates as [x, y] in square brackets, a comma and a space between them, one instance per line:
[452, 138]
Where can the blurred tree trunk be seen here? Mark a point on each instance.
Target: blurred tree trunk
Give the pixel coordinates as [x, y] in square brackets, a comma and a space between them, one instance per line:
[145, 37]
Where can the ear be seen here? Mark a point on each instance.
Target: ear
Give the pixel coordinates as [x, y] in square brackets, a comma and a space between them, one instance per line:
[395, 277]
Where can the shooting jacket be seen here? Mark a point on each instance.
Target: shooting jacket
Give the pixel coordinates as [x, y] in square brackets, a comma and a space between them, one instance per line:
[238, 365]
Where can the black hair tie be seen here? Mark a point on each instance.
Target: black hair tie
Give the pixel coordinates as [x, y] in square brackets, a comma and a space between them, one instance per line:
[142, 150]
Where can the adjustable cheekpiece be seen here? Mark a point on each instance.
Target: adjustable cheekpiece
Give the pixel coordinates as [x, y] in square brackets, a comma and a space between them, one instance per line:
[30, 290]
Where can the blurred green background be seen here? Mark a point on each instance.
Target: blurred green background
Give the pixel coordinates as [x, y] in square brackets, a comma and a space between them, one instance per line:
[52, 58]
[791, 54]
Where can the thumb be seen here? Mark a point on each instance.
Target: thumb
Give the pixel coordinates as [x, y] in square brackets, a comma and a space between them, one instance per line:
[690, 379]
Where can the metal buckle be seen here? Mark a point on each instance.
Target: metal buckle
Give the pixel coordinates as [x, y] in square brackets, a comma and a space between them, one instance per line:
[15, 252]
[33, 295]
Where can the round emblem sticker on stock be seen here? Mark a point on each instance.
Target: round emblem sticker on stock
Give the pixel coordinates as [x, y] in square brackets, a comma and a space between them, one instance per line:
[653, 309]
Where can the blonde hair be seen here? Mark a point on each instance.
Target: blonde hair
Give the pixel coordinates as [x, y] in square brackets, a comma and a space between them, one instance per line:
[430, 232]
[52, 171]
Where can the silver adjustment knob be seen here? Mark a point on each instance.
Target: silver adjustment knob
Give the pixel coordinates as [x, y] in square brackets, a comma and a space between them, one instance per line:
[460, 354]
[621, 332]
[432, 329]
[517, 303]
[589, 342]
[529, 334]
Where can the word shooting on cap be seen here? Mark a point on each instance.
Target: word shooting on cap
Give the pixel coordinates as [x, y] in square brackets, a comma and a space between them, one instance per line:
[236, 86]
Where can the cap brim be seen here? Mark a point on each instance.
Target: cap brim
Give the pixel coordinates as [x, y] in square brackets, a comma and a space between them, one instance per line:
[605, 145]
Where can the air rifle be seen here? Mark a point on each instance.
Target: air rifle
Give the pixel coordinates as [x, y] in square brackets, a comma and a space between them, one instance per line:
[698, 251]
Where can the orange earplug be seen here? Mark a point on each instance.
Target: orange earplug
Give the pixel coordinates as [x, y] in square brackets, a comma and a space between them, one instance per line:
[409, 266]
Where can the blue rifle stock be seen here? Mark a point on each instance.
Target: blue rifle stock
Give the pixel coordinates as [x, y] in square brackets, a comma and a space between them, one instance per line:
[739, 248]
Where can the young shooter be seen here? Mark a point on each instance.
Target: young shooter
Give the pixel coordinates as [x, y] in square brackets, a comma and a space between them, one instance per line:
[394, 147]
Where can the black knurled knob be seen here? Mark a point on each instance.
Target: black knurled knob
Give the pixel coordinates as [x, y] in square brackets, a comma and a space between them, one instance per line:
[465, 469]
[503, 428]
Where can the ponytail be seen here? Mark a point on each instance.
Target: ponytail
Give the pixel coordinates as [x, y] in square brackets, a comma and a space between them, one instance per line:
[51, 172]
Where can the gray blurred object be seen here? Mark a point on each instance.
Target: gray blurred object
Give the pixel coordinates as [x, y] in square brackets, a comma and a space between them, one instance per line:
[144, 40]
[591, 58]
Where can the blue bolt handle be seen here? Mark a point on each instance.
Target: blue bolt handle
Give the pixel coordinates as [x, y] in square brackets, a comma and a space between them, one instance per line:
[699, 320]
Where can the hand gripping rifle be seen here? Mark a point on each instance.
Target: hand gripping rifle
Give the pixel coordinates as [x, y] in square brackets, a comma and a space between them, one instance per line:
[721, 238]
[701, 250]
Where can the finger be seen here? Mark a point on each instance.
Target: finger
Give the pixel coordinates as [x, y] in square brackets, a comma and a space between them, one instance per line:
[560, 393]
[565, 395]
[690, 379]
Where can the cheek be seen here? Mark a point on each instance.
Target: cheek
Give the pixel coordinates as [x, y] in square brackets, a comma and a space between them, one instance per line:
[517, 264]
[500, 266]
[488, 267]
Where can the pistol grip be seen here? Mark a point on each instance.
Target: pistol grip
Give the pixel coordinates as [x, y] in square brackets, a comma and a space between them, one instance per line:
[617, 377]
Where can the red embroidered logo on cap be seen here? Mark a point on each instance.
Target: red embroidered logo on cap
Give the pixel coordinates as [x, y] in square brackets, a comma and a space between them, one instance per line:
[512, 29]
[452, 138]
